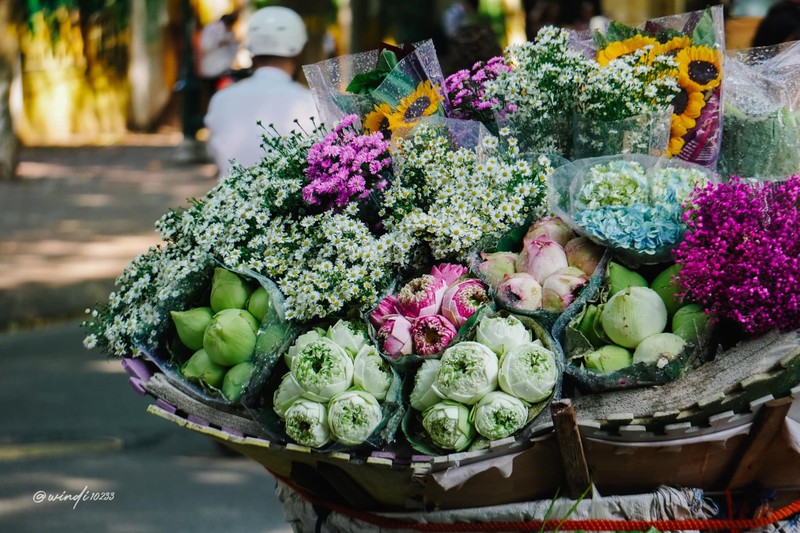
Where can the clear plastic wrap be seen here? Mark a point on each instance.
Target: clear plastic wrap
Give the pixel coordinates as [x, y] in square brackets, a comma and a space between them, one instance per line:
[330, 79]
[629, 203]
[647, 133]
[761, 134]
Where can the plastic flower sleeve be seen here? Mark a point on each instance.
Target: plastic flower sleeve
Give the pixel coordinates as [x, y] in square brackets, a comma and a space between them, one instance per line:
[329, 79]
[274, 334]
[761, 109]
[630, 203]
[647, 133]
[579, 333]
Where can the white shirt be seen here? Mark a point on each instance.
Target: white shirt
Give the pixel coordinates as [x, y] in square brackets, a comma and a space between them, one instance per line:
[218, 49]
[270, 96]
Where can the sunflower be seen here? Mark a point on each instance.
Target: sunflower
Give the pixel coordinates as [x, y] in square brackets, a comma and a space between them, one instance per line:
[699, 68]
[422, 102]
[621, 48]
[378, 120]
[675, 146]
[686, 107]
[673, 46]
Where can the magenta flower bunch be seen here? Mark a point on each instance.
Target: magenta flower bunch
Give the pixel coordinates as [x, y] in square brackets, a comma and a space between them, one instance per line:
[740, 258]
[346, 166]
[465, 90]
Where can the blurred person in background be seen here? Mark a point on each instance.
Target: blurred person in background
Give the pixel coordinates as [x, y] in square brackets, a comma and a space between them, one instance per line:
[470, 44]
[459, 15]
[781, 25]
[275, 38]
[217, 50]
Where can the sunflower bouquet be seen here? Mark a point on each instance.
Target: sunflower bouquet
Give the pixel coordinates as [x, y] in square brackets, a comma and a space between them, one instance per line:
[390, 89]
[695, 42]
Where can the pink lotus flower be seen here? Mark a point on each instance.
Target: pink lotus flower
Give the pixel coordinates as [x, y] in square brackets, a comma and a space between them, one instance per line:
[431, 334]
[559, 288]
[540, 258]
[495, 266]
[421, 296]
[462, 299]
[549, 229]
[448, 272]
[386, 307]
[395, 335]
[584, 254]
[520, 291]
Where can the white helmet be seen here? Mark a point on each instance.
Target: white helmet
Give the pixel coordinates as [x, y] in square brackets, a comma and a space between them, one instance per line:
[276, 31]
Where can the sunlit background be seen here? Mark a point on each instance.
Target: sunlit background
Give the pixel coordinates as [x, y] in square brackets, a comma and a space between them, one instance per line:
[88, 71]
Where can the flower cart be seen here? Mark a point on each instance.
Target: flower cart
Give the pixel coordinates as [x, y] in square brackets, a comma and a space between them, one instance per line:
[519, 298]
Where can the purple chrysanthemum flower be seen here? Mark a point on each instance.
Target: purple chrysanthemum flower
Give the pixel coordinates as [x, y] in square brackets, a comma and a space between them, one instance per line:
[465, 90]
[346, 166]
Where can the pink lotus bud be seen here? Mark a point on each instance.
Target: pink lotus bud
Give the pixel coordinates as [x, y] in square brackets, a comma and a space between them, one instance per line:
[520, 291]
[448, 272]
[559, 288]
[462, 299]
[540, 258]
[386, 307]
[421, 296]
[495, 266]
[431, 334]
[395, 334]
[549, 229]
[584, 254]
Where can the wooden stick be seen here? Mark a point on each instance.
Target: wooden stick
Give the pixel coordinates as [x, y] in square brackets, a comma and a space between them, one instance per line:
[767, 424]
[573, 458]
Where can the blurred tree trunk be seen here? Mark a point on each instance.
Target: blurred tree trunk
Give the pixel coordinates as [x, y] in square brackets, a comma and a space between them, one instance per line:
[9, 145]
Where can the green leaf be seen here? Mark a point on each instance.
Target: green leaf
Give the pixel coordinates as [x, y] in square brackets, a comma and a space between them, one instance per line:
[666, 34]
[387, 60]
[511, 241]
[705, 33]
[366, 82]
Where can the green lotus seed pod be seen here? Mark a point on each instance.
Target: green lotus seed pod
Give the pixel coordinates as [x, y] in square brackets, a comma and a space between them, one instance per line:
[200, 367]
[191, 325]
[228, 291]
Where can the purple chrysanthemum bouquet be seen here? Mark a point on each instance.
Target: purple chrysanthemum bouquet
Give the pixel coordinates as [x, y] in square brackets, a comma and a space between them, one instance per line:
[346, 166]
[465, 90]
[741, 254]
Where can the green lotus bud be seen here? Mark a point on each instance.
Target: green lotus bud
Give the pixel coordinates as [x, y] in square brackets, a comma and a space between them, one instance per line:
[620, 278]
[659, 349]
[632, 315]
[689, 322]
[423, 395]
[323, 369]
[448, 425]
[371, 372]
[231, 337]
[259, 304]
[347, 335]
[191, 325]
[272, 336]
[236, 379]
[301, 342]
[499, 415]
[228, 291]
[591, 327]
[200, 367]
[529, 372]
[353, 415]
[666, 286]
[607, 358]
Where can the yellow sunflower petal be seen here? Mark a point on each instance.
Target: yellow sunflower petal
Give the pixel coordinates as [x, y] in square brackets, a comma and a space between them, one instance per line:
[621, 48]
[675, 146]
[377, 119]
[673, 45]
[699, 68]
[422, 102]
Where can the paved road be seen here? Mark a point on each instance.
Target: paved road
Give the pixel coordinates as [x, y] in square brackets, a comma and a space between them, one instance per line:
[70, 421]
